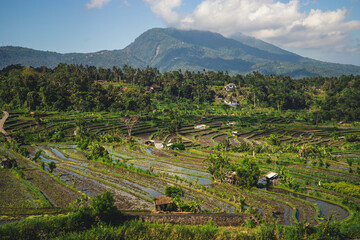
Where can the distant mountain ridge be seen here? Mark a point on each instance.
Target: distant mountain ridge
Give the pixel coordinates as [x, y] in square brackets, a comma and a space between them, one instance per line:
[171, 49]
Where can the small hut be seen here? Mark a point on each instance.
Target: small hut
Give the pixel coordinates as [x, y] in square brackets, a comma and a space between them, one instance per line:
[159, 145]
[202, 126]
[273, 178]
[163, 203]
[156, 88]
[230, 87]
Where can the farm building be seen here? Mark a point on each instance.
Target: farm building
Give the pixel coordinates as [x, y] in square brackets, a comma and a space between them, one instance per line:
[163, 203]
[8, 163]
[159, 145]
[149, 143]
[156, 88]
[272, 178]
[230, 87]
[202, 126]
[231, 103]
[231, 124]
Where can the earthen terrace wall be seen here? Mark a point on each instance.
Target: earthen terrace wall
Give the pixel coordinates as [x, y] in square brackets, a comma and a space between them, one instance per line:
[220, 219]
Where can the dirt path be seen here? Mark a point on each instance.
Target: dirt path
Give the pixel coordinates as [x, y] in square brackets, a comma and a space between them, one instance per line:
[2, 122]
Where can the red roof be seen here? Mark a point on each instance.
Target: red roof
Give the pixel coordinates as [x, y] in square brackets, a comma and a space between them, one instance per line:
[163, 200]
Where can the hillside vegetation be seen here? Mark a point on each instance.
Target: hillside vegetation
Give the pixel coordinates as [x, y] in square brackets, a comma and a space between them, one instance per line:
[89, 152]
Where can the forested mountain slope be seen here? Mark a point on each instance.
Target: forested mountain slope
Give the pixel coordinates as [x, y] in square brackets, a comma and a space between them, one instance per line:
[171, 49]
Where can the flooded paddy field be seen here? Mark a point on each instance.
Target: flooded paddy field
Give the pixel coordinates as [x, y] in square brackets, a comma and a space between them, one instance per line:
[136, 173]
[327, 209]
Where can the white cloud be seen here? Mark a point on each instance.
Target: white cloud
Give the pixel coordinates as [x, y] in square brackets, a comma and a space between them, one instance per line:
[96, 3]
[165, 10]
[278, 22]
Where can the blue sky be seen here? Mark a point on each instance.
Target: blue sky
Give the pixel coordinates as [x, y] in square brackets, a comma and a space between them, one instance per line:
[327, 30]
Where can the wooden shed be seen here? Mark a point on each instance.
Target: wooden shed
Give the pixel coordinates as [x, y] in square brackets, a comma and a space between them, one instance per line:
[163, 203]
[273, 178]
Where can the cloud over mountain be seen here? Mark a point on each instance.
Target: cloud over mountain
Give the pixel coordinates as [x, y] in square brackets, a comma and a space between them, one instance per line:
[281, 23]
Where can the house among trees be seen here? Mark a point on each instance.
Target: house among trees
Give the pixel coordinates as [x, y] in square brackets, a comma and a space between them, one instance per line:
[231, 103]
[8, 163]
[272, 178]
[231, 124]
[156, 88]
[230, 87]
[163, 203]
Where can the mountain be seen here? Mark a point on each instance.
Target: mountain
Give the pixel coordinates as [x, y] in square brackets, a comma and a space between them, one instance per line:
[171, 49]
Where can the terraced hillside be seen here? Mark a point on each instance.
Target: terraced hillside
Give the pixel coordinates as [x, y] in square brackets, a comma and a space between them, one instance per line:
[137, 172]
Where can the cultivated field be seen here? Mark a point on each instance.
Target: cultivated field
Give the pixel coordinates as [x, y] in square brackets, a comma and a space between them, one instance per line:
[137, 173]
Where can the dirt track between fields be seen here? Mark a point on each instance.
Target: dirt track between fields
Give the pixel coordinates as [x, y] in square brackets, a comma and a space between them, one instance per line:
[2, 122]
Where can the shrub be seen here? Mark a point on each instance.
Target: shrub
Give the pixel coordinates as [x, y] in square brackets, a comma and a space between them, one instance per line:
[52, 166]
[351, 138]
[174, 192]
[18, 172]
[178, 146]
[273, 140]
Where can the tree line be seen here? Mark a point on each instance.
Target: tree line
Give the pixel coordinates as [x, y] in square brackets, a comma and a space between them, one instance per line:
[69, 87]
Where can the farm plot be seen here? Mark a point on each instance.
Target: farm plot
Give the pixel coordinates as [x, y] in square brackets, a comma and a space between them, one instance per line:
[173, 170]
[233, 141]
[220, 138]
[93, 187]
[131, 182]
[56, 193]
[186, 156]
[305, 211]
[167, 156]
[329, 173]
[90, 182]
[131, 185]
[206, 139]
[266, 205]
[15, 194]
[327, 209]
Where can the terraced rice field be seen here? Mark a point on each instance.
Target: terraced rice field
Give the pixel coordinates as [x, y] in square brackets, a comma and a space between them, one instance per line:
[149, 170]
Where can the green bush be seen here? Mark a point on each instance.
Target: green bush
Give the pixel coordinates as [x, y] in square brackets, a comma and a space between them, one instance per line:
[178, 146]
[103, 208]
[52, 166]
[351, 138]
[174, 192]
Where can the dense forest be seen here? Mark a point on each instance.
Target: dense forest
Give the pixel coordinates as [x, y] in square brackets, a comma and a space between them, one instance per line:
[86, 88]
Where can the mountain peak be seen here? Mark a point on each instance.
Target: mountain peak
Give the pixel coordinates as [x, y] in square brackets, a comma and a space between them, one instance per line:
[171, 49]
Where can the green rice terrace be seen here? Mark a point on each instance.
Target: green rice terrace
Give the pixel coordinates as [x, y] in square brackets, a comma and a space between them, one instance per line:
[319, 165]
[124, 153]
